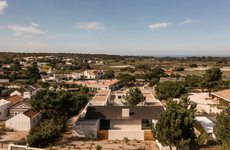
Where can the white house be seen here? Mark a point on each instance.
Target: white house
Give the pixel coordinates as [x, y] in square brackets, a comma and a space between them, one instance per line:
[116, 122]
[4, 104]
[94, 74]
[27, 92]
[6, 65]
[76, 75]
[24, 121]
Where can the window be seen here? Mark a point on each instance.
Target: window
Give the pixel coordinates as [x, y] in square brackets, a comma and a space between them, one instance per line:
[15, 113]
[33, 120]
[119, 97]
[37, 117]
[0, 113]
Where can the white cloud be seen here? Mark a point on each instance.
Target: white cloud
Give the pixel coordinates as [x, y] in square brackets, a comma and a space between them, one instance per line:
[3, 5]
[90, 25]
[34, 24]
[21, 30]
[187, 21]
[159, 25]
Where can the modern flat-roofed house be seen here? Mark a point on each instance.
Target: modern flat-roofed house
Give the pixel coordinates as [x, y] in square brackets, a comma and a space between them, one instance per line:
[4, 81]
[221, 95]
[117, 122]
[4, 104]
[94, 74]
[24, 121]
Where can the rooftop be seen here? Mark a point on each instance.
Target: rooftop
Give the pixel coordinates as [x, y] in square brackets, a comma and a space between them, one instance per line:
[29, 113]
[14, 99]
[100, 98]
[224, 94]
[36, 86]
[115, 112]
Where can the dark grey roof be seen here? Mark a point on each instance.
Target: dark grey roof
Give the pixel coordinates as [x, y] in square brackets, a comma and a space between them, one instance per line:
[115, 112]
[30, 89]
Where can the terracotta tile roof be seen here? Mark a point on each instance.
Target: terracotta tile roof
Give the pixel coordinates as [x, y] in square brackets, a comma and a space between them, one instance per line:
[1, 72]
[31, 114]
[92, 72]
[36, 86]
[74, 73]
[168, 71]
[23, 90]
[14, 99]
[5, 65]
[224, 93]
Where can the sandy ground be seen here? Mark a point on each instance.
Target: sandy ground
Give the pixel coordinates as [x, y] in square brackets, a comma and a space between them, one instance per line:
[199, 98]
[108, 144]
[9, 137]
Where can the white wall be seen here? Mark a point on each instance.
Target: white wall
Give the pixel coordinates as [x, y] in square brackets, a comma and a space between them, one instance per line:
[125, 124]
[26, 95]
[84, 129]
[16, 93]
[130, 134]
[4, 109]
[19, 122]
[36, 121]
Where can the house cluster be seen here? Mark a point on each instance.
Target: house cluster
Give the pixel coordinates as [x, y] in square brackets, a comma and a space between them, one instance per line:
[111, 122]
[16, 109]
[94, 85]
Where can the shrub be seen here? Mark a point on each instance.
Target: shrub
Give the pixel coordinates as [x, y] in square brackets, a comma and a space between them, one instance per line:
[126, 140]
[22, 141]
[98, 147]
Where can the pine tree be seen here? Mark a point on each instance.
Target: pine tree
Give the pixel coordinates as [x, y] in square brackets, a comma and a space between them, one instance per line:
[175, 126]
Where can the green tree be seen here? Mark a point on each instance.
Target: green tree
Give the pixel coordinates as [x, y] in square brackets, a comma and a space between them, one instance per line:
[56, 104]
[175, 126]
[222, 126]
[84, 89]
[169, 89]
[211, 79]
[109, 74]
[127, 69]
[127, 78]
[153, 81]
[223, 105]
[133, 97]
[33, 72]
[193, 65]
[143, 68]
[16, 66]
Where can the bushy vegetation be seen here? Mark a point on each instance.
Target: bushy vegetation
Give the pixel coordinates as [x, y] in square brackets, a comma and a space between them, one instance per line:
[169, 89]
[133, 97]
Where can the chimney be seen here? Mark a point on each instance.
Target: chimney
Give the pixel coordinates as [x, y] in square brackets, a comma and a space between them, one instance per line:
[125, 112]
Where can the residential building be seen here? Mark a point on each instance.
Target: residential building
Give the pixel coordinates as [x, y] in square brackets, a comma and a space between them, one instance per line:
[4, 81]
[19, 107]
[6, 65]
[163, 79]
[4, 104]
[13, 99]
[168, 72]
[27, 92]
[221, 96]
[206, 124]
[99, 84]
[76, 75]
[94, 74]
[117, 122]
[24, 121]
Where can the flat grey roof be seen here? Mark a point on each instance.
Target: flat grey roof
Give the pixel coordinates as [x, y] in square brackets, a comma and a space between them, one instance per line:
[115, 112]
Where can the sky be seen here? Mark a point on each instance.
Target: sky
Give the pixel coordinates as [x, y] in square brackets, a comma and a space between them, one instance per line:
[123, 27]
